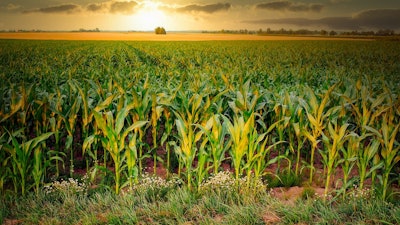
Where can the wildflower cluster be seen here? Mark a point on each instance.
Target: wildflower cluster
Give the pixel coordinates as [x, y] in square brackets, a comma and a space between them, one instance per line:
[67, 187]
[153, 185]
[225, 181]
[357, 193]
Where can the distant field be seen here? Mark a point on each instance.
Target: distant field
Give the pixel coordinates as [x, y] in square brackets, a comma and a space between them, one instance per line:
[142, 36]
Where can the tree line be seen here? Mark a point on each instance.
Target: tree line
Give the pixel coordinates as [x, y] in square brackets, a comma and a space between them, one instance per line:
[269, 31]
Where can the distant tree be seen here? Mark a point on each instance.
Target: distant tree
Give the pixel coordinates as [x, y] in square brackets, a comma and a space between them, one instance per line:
[332, 33]
[160, 30]
[385, 32]
[324, 32]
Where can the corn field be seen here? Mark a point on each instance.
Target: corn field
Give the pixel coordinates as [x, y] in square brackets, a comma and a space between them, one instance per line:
[259, 109]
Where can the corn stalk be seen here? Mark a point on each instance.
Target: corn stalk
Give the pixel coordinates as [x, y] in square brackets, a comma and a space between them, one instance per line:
[114, 136]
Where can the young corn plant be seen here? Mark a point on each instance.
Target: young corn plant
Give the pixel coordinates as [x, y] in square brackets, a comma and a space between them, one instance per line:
[300, 140]
[317, 114]
[141, 111]
[258, 149]
[5, 173]
[169, 123]
[389, 151]
[22, 157]
[41, 162]
[69, 115]
[202, 167]
[245, 102]
[282, 112]
[334, 140]
[131, 155]
[114, 135]
[365, 157]
[190, 111]
[239, 132]
[216, 132]
[348, 160]
[366, 110]
[186, 148]
[156, 113]
[18, 106]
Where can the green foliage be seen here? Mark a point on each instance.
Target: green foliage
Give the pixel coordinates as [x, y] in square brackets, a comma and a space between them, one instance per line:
[160, 30]
[209, 105]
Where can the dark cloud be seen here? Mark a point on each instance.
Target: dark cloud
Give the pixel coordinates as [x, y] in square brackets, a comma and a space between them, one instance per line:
[127, 7]
[290, 6]
[281, 5]
[65, 8]
[211, 8]
[122, 7]
[379, 18]
[370, 19]
[97, 7]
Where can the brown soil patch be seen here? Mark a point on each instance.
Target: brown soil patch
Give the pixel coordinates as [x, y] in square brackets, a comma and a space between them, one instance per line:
[147, 36]
[270, 218]
[12, 222]
[290, 195]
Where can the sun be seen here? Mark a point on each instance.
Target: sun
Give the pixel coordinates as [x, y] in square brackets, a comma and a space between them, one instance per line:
[150, 16]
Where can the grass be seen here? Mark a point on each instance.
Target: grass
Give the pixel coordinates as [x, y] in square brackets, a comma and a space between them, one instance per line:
[184, 207]
[176, 204]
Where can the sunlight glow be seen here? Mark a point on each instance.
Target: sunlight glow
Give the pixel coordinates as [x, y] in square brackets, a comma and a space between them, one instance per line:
[149, 17]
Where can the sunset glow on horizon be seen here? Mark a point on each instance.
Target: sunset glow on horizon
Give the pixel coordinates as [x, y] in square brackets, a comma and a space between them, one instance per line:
[181, 15]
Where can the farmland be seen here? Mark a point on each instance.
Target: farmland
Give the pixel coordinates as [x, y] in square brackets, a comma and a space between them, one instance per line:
[110, 114]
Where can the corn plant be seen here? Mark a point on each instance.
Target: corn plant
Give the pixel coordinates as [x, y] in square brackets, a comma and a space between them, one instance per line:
[156, 113]
[69, 114]
[202, 167]
[366, 109]
[349, 159]
[334, 140]
[41, 161]
[390, 149]
[282, 112]
[21, 158]
[239, 132]
[316, 114]
[258, 148]
[18, 105]
[300, 140]
[5, 172]
[141, 100]
[131, 155]
[169, 122]
[114, 135]
[245, 102]
[216, 132]
[186, 148]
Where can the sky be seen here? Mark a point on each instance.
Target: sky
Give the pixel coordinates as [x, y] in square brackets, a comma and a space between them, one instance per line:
[197, 15]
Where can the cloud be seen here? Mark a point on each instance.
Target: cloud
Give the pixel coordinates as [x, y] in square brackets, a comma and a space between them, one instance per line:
[97, 7]
[379, 18]
[210, 8]
[127, 7]
[11, 7]
[64, 8]
[290, 6]
[115, 7]
[338, 1]
[369, 19]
